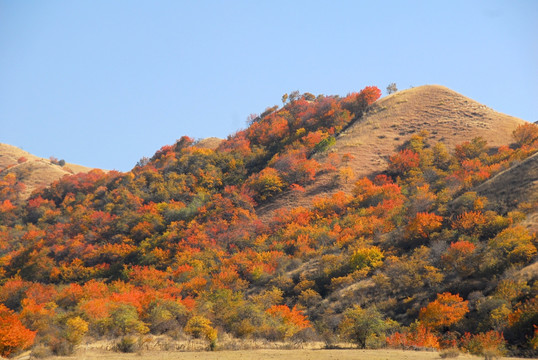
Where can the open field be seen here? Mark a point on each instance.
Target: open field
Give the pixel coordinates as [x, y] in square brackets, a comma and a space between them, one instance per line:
[346, 354]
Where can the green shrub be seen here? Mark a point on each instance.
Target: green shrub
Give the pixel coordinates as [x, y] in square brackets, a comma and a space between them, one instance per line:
[325, 144]
[126, 321]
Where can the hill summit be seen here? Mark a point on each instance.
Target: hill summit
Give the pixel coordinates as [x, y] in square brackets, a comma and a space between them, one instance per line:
[445, 115]
[32, 171]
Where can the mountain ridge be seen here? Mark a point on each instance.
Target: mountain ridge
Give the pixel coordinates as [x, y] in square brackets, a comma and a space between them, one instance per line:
[448, 116]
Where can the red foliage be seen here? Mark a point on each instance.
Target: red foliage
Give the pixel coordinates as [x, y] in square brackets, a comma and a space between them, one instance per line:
[370, 94]
[404, 161]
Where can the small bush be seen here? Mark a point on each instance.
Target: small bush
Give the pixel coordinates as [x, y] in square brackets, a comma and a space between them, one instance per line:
[75, 329]
[62, 347]
[325, 144]
[449, 353]
[492, 354]
[41, 351]
[490, 344]
[128, 344]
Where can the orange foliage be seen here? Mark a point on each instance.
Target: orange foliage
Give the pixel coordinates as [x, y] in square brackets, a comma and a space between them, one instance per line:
[477, 343]
[184, 224]
[13, 335]
[469, 222]
[96, 309]
[146, 276]
[6, 206]
[526, 134]
[289, 316]
[423, 224]
[446, 310]
[418, 336]
[458, 257]
[370, 94]
[404, 161]
[37, 316]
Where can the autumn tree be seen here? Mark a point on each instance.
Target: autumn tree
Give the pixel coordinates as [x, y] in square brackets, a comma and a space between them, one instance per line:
[459, 257]
[444, 311]
[416, 336]
[291, 320]
[13, 335]
[404, 161]
[526, 134]
[200, 327]
[513, 245]
[266, 184]
[422, 225]
[370, 94]
[367, 258]
[361, 324]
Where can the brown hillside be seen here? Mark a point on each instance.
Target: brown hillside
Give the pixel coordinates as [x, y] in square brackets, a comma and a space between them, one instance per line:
[209, 143]
[35, 172]
[514, 186]
[449, 117]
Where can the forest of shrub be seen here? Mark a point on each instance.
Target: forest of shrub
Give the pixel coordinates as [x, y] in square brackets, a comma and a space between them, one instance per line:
[412, 258]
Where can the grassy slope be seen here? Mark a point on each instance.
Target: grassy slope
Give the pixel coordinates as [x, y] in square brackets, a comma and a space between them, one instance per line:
[36, 172]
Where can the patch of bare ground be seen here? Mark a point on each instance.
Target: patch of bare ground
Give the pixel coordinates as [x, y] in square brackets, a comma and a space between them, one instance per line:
[34, 172]
[447, 116]
[266, 354]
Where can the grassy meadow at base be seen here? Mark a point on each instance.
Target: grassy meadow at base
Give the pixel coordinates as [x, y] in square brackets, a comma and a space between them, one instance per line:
[344, 354]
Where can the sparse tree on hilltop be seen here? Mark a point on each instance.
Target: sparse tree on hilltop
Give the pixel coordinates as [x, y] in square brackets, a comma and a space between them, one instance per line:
[391, 88]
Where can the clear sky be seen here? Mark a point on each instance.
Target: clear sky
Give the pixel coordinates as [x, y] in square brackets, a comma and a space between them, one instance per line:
[103, 83]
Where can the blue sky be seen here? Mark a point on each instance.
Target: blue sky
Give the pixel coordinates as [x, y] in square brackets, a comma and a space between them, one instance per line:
[103, 83]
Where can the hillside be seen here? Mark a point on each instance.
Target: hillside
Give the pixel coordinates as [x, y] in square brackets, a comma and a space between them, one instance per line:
[333, 219]
[447, 116]
[34, 172]
[513, 187]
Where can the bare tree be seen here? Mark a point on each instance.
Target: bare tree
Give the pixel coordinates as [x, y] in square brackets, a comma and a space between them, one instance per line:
[391, 88]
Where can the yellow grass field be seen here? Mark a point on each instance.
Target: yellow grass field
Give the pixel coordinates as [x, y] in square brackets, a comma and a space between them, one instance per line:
[347, 354]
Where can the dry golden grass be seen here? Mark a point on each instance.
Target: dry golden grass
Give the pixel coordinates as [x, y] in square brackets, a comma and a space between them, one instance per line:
[209, 143]
[448, 117]
[265, 355]
[514, 186]
[35, 172]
